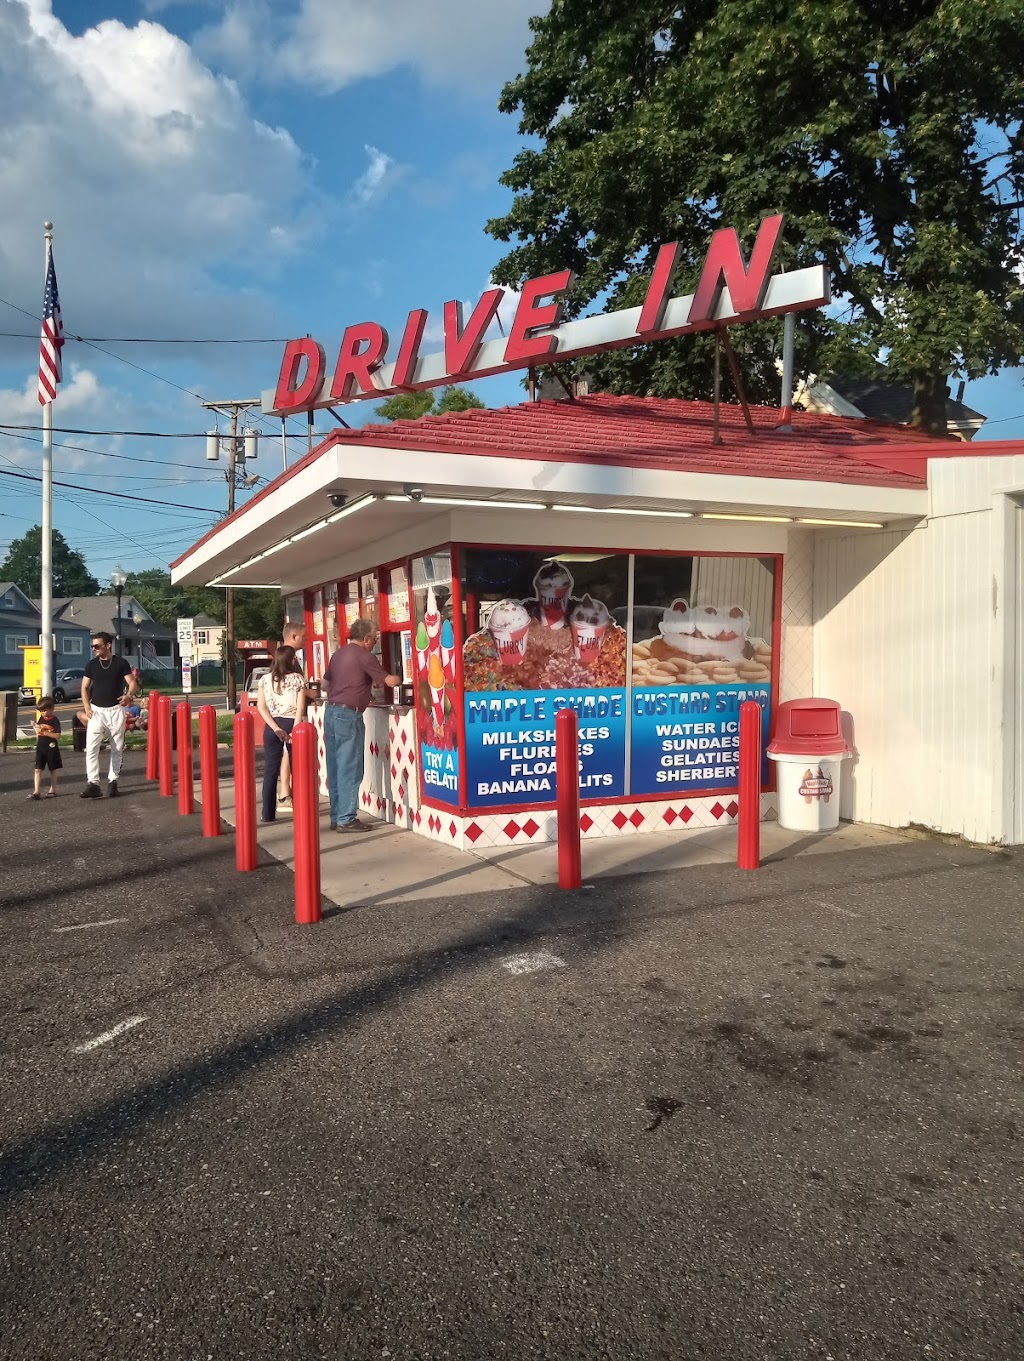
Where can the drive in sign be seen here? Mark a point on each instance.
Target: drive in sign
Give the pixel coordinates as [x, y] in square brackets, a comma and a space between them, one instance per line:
[729, 290]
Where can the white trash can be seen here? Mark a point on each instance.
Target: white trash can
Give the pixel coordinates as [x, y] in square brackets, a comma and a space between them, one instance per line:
[809, 790]
[808, 750]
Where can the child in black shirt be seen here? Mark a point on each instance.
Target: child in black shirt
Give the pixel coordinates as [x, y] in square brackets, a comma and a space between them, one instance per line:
[48, 756]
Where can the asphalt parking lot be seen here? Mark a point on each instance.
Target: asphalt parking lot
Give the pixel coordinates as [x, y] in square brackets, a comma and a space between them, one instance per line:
[698, 1114]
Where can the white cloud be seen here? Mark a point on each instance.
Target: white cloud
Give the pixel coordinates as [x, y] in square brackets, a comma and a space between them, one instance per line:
[371, 184]
[474, 44]
[80, 391]
[153, 170]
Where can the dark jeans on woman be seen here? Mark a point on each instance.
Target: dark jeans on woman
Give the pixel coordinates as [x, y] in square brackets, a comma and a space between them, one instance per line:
[273, 750]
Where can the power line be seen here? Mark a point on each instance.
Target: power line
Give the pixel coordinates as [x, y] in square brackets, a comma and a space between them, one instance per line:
[119, 357]
[150, 340]
[121, 496]
[145, 434]
[100, 453]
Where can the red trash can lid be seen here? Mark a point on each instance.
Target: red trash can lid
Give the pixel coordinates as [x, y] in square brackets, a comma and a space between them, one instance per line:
[808, 727]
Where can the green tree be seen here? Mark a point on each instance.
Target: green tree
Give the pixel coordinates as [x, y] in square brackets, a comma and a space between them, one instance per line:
[24, 566]
[166, 603]
[410, 406]
[889, 135]
[258, 614]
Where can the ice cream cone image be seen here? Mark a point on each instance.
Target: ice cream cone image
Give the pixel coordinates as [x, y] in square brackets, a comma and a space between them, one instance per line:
[448, 649]
[422, 645]
[432, 619]
[436, 679]
[509, 625]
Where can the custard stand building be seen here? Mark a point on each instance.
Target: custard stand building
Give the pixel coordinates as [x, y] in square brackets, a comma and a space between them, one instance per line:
[652, 563]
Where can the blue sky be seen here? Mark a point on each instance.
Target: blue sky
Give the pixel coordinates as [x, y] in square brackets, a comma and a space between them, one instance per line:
[240, 170]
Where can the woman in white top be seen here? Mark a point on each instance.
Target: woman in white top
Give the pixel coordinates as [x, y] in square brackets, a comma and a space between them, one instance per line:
[281, 703]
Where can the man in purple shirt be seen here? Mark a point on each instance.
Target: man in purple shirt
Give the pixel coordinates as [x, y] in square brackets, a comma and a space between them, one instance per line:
[351, 673]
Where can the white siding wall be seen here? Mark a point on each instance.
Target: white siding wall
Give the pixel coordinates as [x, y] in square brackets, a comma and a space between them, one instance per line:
[746, 582]
[797, 671]
[905, 640]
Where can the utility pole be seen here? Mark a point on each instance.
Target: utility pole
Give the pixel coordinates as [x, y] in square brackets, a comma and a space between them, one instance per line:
[213, 442]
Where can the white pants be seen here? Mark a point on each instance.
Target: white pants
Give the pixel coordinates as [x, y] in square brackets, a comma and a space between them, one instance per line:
[110, 721]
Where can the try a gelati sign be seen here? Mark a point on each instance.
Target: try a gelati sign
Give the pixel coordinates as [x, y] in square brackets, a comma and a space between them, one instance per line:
[369, 365]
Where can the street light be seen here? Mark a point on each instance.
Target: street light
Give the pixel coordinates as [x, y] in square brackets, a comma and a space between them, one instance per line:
[117, 580]
[137, 621]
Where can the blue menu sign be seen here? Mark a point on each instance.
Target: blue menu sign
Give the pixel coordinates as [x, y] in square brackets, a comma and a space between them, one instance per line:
[510, 744]
[687, 737]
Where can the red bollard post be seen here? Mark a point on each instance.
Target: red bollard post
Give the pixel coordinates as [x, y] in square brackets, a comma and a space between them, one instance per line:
[567, 794]
[245, 792]
[748, 855]
[306, 816]
[166, 752]
[152, 740]
[209, 782]
[186, 768]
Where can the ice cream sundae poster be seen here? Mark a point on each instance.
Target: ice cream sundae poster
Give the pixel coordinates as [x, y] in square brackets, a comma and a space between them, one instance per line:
[555, 639]
[558, 648]
[434, 661]
[688, 682]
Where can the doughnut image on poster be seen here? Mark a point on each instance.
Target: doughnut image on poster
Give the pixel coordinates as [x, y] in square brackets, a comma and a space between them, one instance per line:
[550, 641]
[702, 645]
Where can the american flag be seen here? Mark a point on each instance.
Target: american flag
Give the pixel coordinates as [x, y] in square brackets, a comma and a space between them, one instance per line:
[51, 341]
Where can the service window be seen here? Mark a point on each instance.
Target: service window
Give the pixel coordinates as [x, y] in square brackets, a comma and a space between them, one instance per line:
[701, 631]
[548, 632]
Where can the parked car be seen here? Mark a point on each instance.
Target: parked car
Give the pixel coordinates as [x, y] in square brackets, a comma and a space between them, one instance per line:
[247, 695]
[26, 695]
[68, 685]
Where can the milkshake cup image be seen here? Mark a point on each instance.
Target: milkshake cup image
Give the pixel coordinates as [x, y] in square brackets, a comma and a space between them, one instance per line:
[724, 630]
[435, 679]
[447, 648]
[588, 622]
[678, 627]
[509, 625]
[553, 585]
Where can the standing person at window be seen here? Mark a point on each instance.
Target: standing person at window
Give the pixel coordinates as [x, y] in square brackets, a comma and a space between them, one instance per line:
[104, 697]
[351, 673]
[281, 702]
[295, 637]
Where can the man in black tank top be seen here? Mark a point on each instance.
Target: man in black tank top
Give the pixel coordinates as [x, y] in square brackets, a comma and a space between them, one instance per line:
[107, 687]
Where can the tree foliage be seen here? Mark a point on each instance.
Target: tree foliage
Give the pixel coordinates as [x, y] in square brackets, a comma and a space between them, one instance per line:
[889, 135]
[410, 406]
[24, 566]
[258, 613]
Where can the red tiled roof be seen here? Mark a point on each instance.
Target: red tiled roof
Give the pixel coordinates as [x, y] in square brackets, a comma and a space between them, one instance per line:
[671, 433]
[656, 432]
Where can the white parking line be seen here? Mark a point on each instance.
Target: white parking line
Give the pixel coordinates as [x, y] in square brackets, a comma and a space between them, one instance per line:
[89, 926]
[843, 911]
[109, 1035]
[532, 962]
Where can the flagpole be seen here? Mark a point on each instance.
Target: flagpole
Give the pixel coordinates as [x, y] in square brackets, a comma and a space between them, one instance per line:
[46, 602]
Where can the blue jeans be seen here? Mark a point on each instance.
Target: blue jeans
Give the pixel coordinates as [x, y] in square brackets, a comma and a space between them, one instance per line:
[344, 739]
[273, 751]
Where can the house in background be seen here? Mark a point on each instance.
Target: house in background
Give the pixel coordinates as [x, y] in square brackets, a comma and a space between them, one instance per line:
[20, 621]
[145, 644]
[881, 399]
[207, 641]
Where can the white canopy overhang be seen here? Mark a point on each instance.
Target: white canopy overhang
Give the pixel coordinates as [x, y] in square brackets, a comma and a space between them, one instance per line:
[292, 535]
